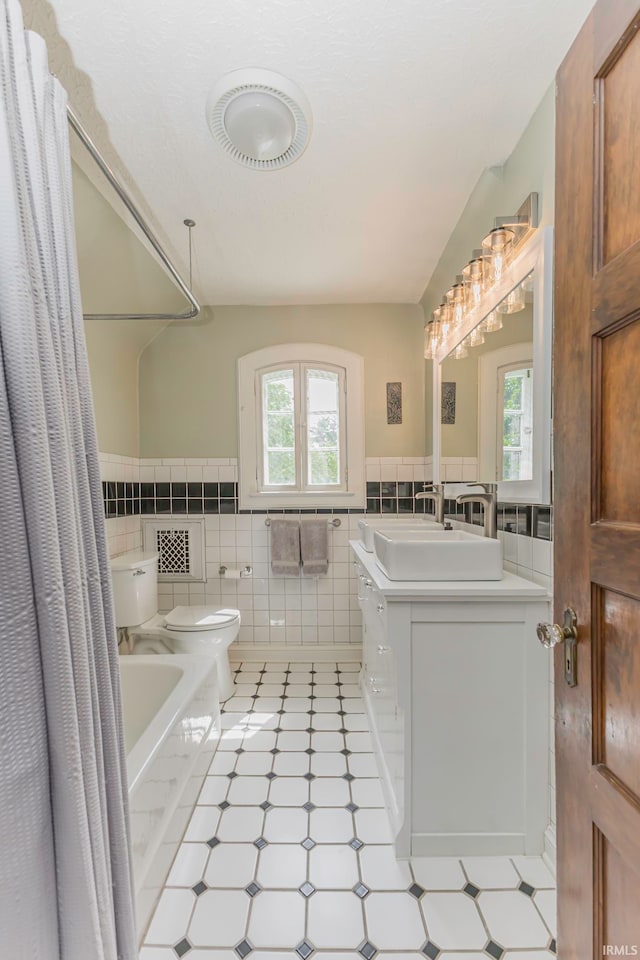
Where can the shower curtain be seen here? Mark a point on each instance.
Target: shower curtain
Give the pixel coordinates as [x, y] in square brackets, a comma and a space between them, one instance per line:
[65, 877]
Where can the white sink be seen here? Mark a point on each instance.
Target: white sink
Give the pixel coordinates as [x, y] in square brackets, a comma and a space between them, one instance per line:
[393, 525]
[437, 555]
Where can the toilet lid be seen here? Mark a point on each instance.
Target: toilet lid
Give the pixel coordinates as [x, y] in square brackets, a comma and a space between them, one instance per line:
[192, 619]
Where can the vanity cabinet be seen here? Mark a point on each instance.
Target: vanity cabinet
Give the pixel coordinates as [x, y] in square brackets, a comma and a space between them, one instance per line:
[380, 680]
[456, 687]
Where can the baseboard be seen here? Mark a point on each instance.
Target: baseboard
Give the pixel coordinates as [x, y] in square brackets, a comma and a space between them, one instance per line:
[296, 653]
[549, 854]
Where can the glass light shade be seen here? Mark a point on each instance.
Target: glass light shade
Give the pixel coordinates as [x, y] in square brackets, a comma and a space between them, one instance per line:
[473, 275]
[527, 283]
[461, 351]
[446, 318]
[497, 247]
[431, 339]
[260, 125]
[492, 322]
[476, 337]
[455, 300]
[512, 303]
[455, 294]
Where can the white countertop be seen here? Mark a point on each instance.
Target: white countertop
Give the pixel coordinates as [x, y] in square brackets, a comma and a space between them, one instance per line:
[510, 587]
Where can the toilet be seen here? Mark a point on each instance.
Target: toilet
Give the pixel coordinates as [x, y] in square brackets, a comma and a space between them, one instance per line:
[203, 630]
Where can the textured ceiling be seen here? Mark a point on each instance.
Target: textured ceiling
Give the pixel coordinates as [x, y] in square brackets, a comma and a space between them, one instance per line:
[411, 100]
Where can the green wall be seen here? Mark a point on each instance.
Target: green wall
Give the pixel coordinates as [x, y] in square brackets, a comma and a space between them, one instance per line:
[117, 275]
[188, 373]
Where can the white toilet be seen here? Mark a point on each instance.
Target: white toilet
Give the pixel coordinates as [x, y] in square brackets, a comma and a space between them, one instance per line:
[203, 630]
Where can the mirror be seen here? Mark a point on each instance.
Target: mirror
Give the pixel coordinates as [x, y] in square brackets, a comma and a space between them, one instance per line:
[492, 385]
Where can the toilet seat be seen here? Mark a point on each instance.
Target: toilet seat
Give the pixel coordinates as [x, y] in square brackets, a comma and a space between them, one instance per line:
[200, 619]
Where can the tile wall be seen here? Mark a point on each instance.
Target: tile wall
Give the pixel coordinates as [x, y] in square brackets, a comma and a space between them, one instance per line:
[319, 611]
[121, 476]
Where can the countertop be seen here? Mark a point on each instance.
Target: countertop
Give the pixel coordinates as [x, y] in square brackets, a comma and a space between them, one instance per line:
[510, 587]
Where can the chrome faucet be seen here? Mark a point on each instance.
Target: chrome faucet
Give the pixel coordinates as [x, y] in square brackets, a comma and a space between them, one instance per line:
[436, 495]
[488, 499]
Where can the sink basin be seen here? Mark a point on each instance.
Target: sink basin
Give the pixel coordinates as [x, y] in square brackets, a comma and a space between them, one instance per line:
[437, 555]
[393, 525]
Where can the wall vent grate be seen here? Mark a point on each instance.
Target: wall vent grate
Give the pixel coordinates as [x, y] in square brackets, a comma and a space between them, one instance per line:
[173, 551]
[180, 548]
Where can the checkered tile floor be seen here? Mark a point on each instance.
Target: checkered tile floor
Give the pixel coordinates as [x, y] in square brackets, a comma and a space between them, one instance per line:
[288, 854]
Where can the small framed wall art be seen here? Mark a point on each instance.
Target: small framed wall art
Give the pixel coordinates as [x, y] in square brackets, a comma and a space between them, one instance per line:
[394, 403]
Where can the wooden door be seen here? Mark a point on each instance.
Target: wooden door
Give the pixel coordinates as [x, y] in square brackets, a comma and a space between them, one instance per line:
[597, 483]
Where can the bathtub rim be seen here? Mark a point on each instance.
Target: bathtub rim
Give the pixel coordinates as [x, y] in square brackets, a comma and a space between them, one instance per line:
[195, 670]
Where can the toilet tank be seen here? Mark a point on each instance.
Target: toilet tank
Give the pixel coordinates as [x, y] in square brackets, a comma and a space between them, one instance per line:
[135, 587]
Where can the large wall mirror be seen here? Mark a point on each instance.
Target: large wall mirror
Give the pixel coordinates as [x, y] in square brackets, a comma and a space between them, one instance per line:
[492, 382]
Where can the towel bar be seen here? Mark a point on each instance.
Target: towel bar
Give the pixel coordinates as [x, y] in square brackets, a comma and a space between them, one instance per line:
[334, 522]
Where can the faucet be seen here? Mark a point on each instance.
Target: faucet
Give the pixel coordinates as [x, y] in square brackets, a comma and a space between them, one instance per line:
[436, 495]
[488, 500]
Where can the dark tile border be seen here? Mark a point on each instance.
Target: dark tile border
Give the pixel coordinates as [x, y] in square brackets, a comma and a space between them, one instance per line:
[203, 499]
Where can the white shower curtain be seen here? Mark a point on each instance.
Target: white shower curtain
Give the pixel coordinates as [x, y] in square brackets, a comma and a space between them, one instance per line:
[65, 877]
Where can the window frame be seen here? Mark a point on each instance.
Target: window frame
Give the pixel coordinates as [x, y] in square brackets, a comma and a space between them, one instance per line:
[489, 412]
[525, 413]
[253, 493]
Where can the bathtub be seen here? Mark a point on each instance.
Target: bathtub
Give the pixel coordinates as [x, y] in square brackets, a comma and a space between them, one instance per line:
[172, 722]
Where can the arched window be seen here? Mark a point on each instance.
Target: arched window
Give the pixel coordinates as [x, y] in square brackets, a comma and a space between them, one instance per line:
[301, 418]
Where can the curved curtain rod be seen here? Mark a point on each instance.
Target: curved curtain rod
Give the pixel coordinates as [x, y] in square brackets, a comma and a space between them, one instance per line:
[146, 229]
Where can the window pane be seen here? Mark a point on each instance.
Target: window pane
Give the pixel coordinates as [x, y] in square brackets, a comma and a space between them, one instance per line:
[323, 427]
[516, 386]
[280, 468]
[322, 390]
[278, 428]
[511, 465]
[324, 467]
[512, 430]
[278, 390]
[513, 390]
[280, 431]
[323, 431]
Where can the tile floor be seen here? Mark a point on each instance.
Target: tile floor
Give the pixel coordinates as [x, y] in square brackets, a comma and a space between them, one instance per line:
[288, 854]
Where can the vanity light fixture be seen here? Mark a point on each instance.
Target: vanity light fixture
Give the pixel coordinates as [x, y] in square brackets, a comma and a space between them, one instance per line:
[461, 351]
[527, 283]
[455, 300]
[513, 302]
[431, 340]
[476, 337]
[474, 278]
[497, 246]
[485, 269]
[492, 322]
[260, 118]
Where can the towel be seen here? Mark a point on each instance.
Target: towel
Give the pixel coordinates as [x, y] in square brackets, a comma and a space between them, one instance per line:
[314, 546]
[285, 547]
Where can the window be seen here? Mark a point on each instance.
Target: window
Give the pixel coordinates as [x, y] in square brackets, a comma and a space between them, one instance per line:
[301, 441]
[515, 403]
[301, 427]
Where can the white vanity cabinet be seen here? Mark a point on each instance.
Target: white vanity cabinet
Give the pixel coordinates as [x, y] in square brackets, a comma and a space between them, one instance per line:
[380, 687]
[456, 686]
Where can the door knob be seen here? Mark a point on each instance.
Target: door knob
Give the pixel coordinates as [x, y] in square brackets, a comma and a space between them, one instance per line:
[550, 634]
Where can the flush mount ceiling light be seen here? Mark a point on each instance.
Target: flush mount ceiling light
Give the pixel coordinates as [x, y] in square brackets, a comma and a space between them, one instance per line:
[260, 118]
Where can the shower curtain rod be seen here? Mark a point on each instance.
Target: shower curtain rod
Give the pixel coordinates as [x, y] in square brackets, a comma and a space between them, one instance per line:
[146, 229]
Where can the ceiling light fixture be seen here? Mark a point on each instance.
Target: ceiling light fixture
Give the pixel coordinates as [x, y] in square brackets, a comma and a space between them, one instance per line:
[260, 118]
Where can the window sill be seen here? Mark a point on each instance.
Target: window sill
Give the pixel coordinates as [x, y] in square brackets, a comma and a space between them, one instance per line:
[307, 501]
